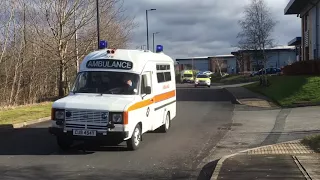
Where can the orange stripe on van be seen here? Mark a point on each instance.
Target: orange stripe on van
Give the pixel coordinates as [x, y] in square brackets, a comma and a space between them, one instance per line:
[147, 102]
[164, 96]
[141, 104]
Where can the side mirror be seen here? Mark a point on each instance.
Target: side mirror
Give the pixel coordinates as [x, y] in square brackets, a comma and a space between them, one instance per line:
[148, 90]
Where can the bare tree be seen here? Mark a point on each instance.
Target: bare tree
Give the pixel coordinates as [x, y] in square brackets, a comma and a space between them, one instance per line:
[43, 42]
[218, 63]
[257, 27]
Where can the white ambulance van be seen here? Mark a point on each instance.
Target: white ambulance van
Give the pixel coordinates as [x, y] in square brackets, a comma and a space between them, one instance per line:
[118, 95]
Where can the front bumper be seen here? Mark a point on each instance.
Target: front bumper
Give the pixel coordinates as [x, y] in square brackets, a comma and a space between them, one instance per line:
[110, 135]
[202, 84]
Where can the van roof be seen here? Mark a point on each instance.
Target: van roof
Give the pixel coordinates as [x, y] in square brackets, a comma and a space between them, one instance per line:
[138, 58]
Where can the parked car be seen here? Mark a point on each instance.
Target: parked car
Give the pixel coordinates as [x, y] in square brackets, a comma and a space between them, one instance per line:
[207, 73]
[269, 71]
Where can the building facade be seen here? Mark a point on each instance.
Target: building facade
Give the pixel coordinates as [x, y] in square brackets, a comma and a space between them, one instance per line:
[309, 12]
[240, 61]
[227, 63]
[196, 63]
[276, 57]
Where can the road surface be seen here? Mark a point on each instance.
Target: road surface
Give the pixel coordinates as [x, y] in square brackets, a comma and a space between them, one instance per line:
[204, 116]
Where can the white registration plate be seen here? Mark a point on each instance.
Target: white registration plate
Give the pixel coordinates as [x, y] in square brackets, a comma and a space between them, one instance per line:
[82, 132]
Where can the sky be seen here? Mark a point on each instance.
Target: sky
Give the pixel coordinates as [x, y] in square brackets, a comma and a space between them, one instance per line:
[189, 28]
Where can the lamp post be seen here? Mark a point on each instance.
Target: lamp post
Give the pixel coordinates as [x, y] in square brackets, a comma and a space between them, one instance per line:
[98, 23]
[148, 26]
[153, 40]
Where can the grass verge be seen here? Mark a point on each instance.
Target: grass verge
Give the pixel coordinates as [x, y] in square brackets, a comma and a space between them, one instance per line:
[25, 113]
[234, 79]
[290, 90]
[313, 142]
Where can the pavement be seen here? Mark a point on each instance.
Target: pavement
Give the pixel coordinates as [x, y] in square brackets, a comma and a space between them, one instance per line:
[289, 160]
[249, 98]
[262, 128]
[203, 119]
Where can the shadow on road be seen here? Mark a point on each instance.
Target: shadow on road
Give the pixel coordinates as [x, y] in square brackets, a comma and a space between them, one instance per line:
[58, 171]
[38, 141]
[207, 171]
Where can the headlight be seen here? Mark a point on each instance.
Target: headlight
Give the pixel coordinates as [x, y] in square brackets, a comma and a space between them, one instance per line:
[59, 115]
[117, 118]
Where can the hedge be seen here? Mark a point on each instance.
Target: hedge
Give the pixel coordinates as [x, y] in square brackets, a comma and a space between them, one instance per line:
[310, 67]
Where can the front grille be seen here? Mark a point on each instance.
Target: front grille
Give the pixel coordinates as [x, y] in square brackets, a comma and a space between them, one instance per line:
[86, 126]
[84, 116]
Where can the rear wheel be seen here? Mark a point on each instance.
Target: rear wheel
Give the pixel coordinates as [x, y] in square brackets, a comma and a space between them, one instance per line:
[165, 127]
[64, 143]
[134, 142]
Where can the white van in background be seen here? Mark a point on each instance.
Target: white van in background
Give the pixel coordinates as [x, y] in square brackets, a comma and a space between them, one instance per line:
[118, 95]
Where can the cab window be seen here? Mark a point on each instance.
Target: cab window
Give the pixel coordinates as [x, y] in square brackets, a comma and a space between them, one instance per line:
[104, 82]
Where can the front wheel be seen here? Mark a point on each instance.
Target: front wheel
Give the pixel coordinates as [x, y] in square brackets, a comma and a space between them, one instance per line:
[165, 127]
[134, 142]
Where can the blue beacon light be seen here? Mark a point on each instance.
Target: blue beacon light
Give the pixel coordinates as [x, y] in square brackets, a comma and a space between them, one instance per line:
[159, 48]
[103, 44]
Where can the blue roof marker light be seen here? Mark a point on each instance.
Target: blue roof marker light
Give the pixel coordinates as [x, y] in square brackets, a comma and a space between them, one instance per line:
[103, 44]
[159, 48]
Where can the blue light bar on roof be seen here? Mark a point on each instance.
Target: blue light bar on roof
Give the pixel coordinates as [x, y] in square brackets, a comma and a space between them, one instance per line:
[103, 44]
[159, 48]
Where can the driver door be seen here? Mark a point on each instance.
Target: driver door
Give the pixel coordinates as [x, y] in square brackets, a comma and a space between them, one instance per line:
[147, 111]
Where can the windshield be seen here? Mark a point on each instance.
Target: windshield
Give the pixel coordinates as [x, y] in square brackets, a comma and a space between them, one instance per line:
[187, 75]
[106, 82]
[202, 76]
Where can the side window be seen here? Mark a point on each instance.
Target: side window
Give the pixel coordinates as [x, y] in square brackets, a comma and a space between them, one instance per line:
[145, 81]
[160, 77]
[143, 84]
[167, 76]
[163, 73]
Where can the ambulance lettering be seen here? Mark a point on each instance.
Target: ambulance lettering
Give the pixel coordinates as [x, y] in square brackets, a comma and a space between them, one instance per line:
[109, 64]
[166, 86]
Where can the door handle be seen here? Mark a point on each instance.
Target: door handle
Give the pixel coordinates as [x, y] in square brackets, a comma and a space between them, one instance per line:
[151, 100]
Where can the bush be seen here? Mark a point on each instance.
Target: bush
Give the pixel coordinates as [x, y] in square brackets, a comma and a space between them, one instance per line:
[311, 67]
[313, 142]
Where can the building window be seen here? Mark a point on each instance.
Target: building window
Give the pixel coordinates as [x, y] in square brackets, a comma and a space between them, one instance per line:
[163, 73]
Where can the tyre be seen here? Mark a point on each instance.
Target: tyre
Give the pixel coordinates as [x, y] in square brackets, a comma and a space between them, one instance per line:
[134, 142]
[167, 123]
[64, 143]
[209, 86]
